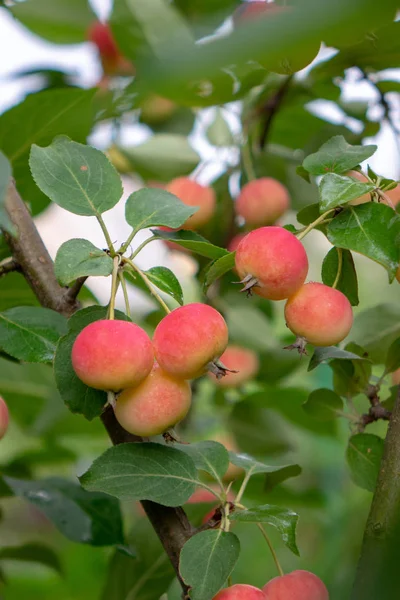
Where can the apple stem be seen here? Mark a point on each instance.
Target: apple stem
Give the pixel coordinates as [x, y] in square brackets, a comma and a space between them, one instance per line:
[148, 283]
[311, 226]
[106, 234]
[340, 265]
[114, 285]
[274, 555]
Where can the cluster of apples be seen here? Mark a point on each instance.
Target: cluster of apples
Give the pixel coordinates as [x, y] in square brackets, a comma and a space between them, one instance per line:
[272, 262]
[150, 377]
[299, 585]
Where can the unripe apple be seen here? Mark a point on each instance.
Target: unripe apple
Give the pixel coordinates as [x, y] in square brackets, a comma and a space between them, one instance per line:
[156, 109]
[156, 405]
[192, 193]
[294, 61]
[240, 591]
[298, 585]
[262, 201]
[112, 355]
[320, 314]
[4, 418]
[243, 361]
[189, 340]
[271, 262]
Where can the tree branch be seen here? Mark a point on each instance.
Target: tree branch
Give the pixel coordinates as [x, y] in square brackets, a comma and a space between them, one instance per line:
[31, 254]
[377, 574]
[270, 108]
[8, 266]
[171, 524]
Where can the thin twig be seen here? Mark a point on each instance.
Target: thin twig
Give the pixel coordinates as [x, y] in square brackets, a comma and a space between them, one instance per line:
[270, 109]
[8, 266]
[73, 291]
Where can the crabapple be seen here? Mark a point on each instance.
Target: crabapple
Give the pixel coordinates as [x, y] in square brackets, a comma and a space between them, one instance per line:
[320, 314]
[112, 355]
[298, 585]
[190, 339]
[4, 418]
[286, 65]
[243, 365]
[262, 201]
[192, 193]
[272, 262]
[156, 405]
[240, 591]
[111, 58]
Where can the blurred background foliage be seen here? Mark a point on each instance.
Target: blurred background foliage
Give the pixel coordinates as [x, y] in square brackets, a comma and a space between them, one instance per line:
[209, 92]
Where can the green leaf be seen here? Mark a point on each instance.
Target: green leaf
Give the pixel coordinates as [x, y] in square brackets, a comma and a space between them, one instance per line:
[145, 471]
[364, 454]
[309, 214]
[323, 355]
[248, 325]
[141, 28]
[337, 156]
[347, 282]
[219, 268]
[31, 333]
[323, 404]
[77, 177]
[303, 173]
[393, 357]
[274, 474]
[166, 281]
[219, 133]
[163, 157]
[33, 552]
[5, 177]
[192, 241]
[376, 328]
[79, 258]
[283, 519]
[77, 396]
[88, 518]
[207, 560]
[61, 21]
[208, 456]
[144, 578]
[370, 229]
[335, 190]
[37, 120]
[149, 207]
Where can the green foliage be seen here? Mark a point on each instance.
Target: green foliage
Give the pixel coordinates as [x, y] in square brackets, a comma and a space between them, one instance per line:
[207, 560]
[62, 22]
[210, 457]
[143, 472]
[31, 333]
[76, 177]
[283, 519]
[36, 553]
[338, 266]
[5, 176]
[80, 258]
[166, 281]
[85, 517]
[336, 190]
[337, 156]
[364, 454]
[151, 207]
[37, 120]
